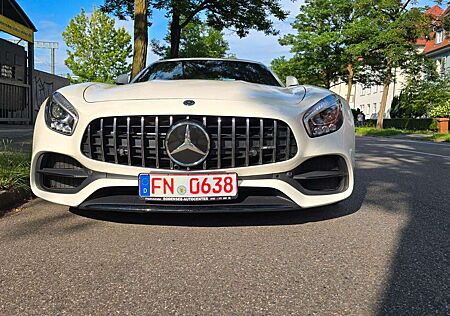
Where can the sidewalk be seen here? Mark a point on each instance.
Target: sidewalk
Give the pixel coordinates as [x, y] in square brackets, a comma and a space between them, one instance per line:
[19, 137]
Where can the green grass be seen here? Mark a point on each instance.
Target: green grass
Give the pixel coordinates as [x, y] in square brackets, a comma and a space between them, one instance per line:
[14, 168]
[441, 138]
[371, 131]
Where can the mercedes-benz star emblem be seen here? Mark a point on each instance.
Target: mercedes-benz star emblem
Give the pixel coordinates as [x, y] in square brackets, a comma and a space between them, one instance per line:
[189, 102]
[187, 143]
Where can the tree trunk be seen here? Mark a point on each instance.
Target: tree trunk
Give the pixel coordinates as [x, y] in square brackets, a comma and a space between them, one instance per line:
[386, 84]
[175, 34]
[350, 82]
[140, 36]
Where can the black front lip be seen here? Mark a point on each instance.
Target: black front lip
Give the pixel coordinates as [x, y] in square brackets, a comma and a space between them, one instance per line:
[249, 200]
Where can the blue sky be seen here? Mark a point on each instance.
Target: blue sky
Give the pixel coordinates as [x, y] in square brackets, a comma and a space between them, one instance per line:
[51, 17]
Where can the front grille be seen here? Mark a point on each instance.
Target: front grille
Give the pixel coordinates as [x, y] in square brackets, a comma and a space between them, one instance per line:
[235, 141]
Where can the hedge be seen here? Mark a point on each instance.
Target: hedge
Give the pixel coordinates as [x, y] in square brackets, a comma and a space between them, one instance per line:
[406, 123]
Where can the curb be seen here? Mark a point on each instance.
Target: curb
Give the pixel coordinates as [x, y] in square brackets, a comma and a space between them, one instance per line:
[9, 199]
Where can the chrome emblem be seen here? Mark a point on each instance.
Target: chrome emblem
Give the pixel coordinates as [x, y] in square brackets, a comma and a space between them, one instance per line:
[189, 102]
[187, 143]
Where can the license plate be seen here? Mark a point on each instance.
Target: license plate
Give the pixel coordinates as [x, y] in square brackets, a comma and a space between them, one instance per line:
[193, 187]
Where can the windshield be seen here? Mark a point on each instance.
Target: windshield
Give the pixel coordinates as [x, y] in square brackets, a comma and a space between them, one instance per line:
[225, 70]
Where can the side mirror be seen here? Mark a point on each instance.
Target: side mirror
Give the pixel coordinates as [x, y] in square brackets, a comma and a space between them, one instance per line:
[123, 79]
[291, 81]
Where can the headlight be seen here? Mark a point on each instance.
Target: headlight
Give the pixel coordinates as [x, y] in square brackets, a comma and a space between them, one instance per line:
[60, 115]
[324, 117]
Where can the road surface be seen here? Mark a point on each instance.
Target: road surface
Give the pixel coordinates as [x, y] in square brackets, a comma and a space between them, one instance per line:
[383, 251]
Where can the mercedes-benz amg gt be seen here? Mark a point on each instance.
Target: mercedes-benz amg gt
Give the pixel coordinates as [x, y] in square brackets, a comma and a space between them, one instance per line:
[194, 135]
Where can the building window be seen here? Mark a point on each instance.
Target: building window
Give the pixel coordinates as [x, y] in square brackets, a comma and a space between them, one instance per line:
[375, 89]
[374, 108]
[362, 91]
[440, 36]
[441, 64]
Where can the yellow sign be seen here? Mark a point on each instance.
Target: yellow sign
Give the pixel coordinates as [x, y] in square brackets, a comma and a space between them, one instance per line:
[12, 27]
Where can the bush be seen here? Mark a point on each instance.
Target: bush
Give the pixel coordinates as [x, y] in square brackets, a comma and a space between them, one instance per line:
[420, 96]
[442, 110]
[405, 123]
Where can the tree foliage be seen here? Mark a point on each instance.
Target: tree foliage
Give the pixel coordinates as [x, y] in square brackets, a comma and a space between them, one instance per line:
[239, 15]
[197, 40]
[319, 45]
[97, 50]
[421, 96]
[389, 30]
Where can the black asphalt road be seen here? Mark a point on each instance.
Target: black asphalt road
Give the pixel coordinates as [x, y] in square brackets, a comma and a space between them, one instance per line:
[383, 251]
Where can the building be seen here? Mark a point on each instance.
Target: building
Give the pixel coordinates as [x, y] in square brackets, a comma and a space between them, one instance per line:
[436, 46]
[22, 87]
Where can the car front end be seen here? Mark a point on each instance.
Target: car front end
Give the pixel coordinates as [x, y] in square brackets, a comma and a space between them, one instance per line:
[285, 150]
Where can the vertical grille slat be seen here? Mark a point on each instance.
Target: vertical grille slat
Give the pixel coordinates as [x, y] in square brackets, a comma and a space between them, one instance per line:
[89, 146]
[235, 142]
[128, 141]
[204, 124]
[142, 141]
[288, 143]
[261, 140]
[275, 140]
[247, 142]
[219, 142]
[102, 142]
[171, 123]
[114, 135]
[157, 141]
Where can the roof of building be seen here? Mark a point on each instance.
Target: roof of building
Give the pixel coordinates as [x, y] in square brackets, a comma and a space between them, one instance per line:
[429, 43]
[435, 10]
[11, 9]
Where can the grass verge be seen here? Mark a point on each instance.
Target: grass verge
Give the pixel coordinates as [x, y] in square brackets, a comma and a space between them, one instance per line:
[14, 169]
[371, 131]
[441, 138]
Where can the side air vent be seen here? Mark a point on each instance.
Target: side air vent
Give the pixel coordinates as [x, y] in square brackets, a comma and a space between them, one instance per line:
[60, 173]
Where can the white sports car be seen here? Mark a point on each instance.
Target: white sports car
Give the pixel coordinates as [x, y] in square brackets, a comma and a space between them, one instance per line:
[194, 135]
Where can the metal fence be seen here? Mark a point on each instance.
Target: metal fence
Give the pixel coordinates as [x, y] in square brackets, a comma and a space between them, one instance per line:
[15, 105]
[14, 102]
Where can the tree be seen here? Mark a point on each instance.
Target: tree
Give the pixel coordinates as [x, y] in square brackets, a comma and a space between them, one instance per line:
[319, 45]
[239, 15]
[421, 95]
[97, 50]
[197, 40]
[389, 31]
[140, 36]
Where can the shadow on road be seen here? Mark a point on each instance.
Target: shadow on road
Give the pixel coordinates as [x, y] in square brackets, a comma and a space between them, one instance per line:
[417, 186]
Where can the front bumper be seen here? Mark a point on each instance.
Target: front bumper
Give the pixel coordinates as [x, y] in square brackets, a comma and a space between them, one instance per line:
[277, 177]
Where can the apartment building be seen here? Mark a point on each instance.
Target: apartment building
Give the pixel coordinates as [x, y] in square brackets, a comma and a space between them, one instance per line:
[436, 46]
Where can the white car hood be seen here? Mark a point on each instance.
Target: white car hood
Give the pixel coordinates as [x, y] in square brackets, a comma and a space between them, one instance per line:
[195, 90]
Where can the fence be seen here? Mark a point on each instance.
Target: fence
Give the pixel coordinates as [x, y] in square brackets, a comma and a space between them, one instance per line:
[15, 106]
[14, 102]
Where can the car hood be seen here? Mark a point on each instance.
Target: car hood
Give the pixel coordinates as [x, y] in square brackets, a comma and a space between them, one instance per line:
[195, 89]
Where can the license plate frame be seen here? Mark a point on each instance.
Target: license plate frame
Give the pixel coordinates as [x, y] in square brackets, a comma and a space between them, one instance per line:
[185, 180]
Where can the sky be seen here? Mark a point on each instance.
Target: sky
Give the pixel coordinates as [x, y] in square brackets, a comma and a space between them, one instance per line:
[52, 16]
